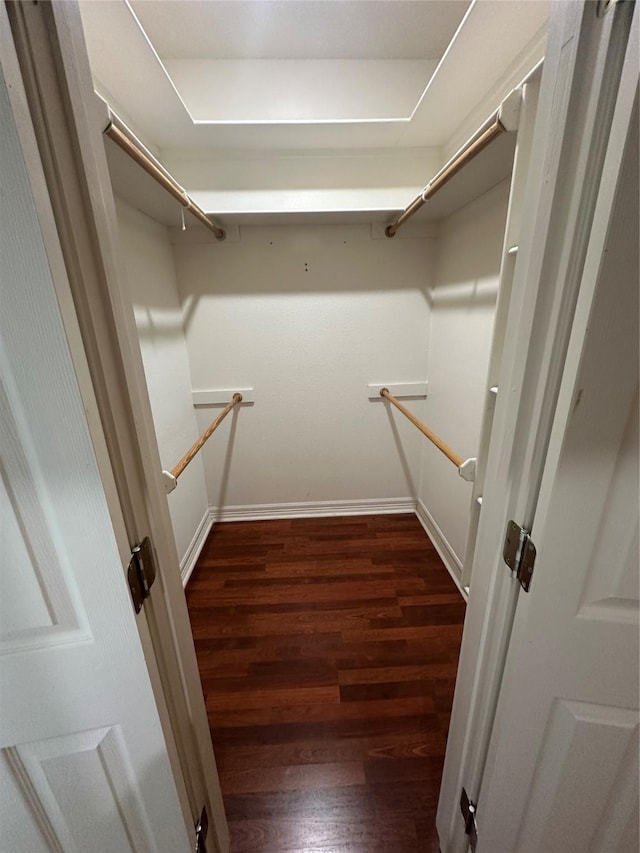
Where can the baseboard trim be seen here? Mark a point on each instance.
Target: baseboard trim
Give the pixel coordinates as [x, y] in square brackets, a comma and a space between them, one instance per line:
[313, 509]
[324, 509]
[441, 544]
[188, 562]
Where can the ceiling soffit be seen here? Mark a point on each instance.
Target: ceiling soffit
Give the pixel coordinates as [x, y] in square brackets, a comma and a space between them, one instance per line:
[298, 61]
[290, 120]
[337, 103]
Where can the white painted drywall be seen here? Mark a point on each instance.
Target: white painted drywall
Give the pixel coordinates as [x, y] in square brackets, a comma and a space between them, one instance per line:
[462, 312]
[151, 275]
[307, 316]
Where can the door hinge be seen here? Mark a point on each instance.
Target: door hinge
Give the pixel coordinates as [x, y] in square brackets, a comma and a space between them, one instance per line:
[519, 553]
[603, 6]
[141, 572]
[468, 809]
[202, 828]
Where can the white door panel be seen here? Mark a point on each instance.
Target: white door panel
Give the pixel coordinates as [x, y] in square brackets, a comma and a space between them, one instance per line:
[571, 807]
[39, 611]
[562, 771]
[84, 764]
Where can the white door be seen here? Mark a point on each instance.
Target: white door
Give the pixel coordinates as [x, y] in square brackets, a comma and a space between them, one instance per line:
[84, 765]
[562, 769]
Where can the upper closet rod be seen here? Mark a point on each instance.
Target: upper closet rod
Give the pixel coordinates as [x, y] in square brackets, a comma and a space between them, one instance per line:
[504, 120]
[118, 131]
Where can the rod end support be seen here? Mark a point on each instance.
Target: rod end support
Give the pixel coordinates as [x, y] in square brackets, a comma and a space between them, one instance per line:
[384, 392]
[170, 482]
[237, 397]
[468, 469]
[390, 231]
[222, 236]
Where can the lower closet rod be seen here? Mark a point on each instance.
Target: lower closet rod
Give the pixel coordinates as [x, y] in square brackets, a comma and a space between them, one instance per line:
[466, 467]
[171, 477]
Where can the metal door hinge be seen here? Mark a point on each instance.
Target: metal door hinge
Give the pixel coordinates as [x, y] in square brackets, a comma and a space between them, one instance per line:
[141, 572]
[468, 809]
[603, 6]
[519, 553]
[202, 828]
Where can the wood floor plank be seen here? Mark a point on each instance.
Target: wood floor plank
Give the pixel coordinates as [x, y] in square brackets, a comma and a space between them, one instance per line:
[293, 778]
[232, 756]
[268, 700]
[361, 590]
[328, 651]
[384, 728]
[375, 675]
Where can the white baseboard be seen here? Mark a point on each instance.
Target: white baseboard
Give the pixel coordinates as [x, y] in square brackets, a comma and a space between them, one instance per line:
[188, 562]
[313, 509]
[324, 509]
[443, 547]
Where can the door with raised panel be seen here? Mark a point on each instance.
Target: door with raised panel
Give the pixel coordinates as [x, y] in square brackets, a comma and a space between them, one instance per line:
[562, 771]
[84, 765]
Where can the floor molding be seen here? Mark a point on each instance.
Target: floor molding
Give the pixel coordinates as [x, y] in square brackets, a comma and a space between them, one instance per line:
[188, 562]
[323, 509]
[313, 509]
[442, 546]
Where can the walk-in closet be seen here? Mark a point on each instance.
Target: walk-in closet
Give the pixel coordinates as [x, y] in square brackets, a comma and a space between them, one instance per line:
[308, 295]
[345, 248]
[304, 298]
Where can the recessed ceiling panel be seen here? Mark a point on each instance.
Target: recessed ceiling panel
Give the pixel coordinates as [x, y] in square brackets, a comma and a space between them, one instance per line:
[296, 90]
[300, 29]
[137, 48]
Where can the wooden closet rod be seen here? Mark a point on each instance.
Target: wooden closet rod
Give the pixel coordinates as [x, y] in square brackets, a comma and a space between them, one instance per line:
[472, 149]
[439, 443]
[118, 131]
[179, 467]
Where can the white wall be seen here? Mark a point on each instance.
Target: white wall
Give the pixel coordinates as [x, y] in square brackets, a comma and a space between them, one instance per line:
[307, 315]
[462, 312]
[152, 281]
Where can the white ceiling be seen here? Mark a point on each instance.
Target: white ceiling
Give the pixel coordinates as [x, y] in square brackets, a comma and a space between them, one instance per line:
[304, 107]
[300, 29]
[137, 50]
[279, 91]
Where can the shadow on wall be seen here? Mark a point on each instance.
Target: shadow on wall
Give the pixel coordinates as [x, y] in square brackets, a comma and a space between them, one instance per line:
[469, 252]
[157, 325]
[406, 468]
[221, 501]
[469, 294]
[299, 260]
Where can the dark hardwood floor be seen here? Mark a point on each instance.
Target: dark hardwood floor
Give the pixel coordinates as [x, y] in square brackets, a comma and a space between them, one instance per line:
[328, 651]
